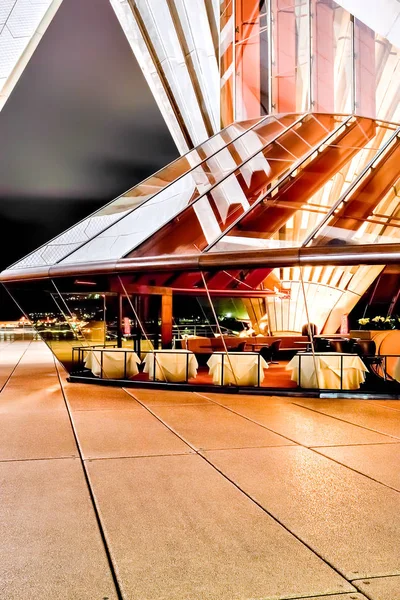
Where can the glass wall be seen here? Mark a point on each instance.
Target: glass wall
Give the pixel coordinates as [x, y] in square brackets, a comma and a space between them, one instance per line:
[300, 55]
[303, 328]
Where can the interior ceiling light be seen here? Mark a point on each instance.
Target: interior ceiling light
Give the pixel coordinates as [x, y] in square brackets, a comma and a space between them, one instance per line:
[81, 282]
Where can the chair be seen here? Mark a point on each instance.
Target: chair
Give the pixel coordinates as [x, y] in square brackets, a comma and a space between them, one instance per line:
[322, 345]
[269, 353]
[366, 350]
[241, 347]
[341, 346]
[305, 330]
[365, 347]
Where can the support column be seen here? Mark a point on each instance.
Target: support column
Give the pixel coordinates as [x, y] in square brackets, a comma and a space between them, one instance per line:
[166, 321]
[120, 322]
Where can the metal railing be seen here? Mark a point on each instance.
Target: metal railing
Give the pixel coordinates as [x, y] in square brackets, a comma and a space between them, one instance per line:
[376, 372]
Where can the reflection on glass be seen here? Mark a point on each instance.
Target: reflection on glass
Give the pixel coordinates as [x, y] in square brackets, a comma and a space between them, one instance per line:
[368, 211]
[202, 223]
[332, 57]
[291, 55]
[141, 223]
[251, 59]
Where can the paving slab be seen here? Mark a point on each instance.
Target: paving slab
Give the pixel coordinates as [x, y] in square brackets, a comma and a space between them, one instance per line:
[82, 396]
[178, 530]
[308, 427]
[18, 398]
[394, 404]
[379, 461]
[348, 519]
[381, 588]
[38, 434]
[212, 426]
[50, 543]
[358, 412]
[124, 433]
[155, 397]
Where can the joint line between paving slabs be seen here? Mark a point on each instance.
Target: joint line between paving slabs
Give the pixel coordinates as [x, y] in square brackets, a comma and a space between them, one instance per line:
[15, 366]
[91, 494]
[198, 453]
[335, 460]
[319, 412]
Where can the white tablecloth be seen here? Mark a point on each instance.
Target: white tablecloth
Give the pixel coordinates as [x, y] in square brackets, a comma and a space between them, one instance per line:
[328, 367]
[240, 368]
[171, 365]
[113, 363]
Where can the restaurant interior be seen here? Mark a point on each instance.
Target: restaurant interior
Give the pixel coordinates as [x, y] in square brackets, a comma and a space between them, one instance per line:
[305, 329]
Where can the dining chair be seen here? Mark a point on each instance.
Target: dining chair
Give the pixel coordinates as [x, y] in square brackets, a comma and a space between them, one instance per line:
[241, 347]
[341, 346]
[270, 353]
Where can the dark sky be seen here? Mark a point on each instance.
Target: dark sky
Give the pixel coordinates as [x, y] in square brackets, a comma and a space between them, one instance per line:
[80, 127]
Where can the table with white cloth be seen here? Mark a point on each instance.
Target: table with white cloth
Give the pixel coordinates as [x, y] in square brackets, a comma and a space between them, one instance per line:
[239, 368]
[116, 363]
[335, 370]
[170, 365]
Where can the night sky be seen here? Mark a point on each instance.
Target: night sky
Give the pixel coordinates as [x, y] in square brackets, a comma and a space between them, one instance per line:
[80, 127]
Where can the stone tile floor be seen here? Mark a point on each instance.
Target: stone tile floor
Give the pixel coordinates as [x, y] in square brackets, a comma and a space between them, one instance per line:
[108, 493]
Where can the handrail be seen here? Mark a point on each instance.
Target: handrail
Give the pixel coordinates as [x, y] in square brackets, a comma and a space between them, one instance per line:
[366, 254]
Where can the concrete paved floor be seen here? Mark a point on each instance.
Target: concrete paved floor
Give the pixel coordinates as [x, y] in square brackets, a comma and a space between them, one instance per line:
[139, 494]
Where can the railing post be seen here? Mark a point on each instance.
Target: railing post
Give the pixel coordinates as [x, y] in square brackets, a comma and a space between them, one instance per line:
[154, 365]
[101, 364]
[341, 372]
[258, 369]
[299, 367]
[124, 364]
[187, 367]
[222, 369]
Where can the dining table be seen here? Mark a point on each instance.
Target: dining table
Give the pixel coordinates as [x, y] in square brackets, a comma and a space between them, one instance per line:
[174, 365]
[113, 363]
[327, 370]
[237, 368]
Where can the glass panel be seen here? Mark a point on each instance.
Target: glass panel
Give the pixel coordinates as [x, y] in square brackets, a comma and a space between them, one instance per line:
[203, 222]
[141, 223]
[377, 69]
[201, 54]
[79, 234]
[332, 57]
[387, 62]
[41, 305]
[291, 55]
[368, 212]
[252, 58]
[290, 212]
[365, 78]
[160, 28]
[227, 67]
